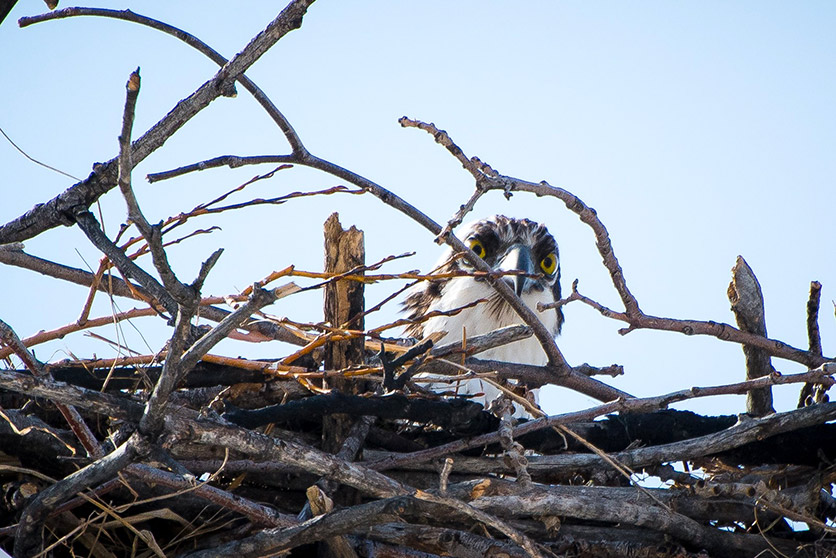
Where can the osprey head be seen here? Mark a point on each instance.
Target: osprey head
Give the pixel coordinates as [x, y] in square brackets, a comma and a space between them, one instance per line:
[506, 244]
[516, 245]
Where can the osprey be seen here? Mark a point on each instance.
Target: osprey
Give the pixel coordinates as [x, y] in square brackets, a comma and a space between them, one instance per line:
[506, 244]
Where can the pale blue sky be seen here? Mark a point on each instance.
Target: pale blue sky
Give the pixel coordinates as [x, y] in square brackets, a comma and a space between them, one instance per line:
[698, 131]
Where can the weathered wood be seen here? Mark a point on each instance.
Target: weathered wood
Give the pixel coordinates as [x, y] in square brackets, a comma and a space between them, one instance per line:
[457, 416]
[747, 304]
[344, 301]
[344, 251]
[333, 547]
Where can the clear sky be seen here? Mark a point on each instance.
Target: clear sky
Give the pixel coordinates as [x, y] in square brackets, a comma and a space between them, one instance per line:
[699, 131]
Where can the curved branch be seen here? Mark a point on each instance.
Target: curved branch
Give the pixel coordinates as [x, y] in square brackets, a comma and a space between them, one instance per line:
[59, 210]
[216, 57]
[586, 215]
[446, 235]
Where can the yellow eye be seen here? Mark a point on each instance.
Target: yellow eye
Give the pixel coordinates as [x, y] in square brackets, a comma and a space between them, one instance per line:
[548, 264]
[477, 247]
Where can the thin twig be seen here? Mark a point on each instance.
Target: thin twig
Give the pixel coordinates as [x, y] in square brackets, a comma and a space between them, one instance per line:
[25, 154]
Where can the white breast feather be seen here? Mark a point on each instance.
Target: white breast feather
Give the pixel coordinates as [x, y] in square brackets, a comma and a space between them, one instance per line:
[484, 318]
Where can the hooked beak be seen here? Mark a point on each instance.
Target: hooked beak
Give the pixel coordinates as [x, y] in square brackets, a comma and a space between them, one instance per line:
[519, 258]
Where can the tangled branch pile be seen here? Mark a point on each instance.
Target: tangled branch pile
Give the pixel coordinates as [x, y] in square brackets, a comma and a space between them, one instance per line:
[185, 452]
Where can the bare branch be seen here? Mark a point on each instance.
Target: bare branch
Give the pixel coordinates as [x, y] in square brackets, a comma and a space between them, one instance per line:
[231, 161]
[742, 433]
[61, 209]
[125, 161]
[274, 541]
[513, 450]
[173, 371]
[721, 331]
[823, 374]
[628, 512]
[28, 541]
[9, 338]
[88, 223]
[813, 303]
[189, 39]
[152, 234]
[255, 512]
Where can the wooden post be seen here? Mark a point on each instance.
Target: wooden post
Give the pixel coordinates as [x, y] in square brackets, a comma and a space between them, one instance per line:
[344, 300]
[747, 304]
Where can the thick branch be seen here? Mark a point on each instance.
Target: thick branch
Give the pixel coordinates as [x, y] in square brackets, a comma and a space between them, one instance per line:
[60, 210]
[274, 541]
[28, 540]
[634, 405]
[190, 40]
[90, 225]
[173, 370]
[456, 415]
[255, 512]
[746, 432]
[645, 514]
[813, 337]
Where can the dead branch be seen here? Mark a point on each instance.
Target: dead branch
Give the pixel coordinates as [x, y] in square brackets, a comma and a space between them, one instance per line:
[719, 330]
[742, 433]
[539, 503]
[291, 18]
[631, 405]
[56, 211]
[10, 339]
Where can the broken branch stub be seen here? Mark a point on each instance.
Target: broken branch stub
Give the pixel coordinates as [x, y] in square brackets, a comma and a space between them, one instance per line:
[344, 299]
[747, 304]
